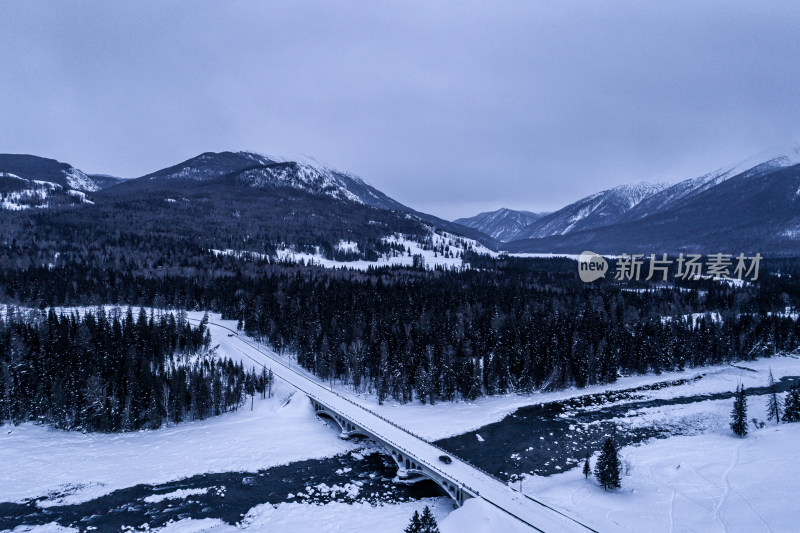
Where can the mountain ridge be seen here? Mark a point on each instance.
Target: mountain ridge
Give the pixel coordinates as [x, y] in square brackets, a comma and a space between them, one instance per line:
[502, 223]
[628, 215]
[751, 212]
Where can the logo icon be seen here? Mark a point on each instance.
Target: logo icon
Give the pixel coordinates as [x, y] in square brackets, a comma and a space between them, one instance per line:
[591, 266]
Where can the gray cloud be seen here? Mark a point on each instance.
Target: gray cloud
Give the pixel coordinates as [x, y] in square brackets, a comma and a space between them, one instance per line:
[449, 107]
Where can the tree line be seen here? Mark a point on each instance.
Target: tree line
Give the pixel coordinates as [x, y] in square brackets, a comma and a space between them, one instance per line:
[506, 325]
[101, 371]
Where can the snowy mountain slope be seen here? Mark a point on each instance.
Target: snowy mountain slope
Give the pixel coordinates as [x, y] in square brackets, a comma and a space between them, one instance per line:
[599, 209]
[105, 181]
[755, 211]
[316, 180]
[693, 214]
[215, 173]
[261, 171]
[502, 224]
[32, 167]
[438, 250]
[758, 165]
[297, 176]
[209, 165]
[17, 194]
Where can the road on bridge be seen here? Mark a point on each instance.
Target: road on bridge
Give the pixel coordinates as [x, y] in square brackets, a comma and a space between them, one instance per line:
[538, 515]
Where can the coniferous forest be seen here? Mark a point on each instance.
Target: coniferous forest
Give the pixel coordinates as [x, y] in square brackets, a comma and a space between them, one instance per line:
[505, 325]
[99, 371]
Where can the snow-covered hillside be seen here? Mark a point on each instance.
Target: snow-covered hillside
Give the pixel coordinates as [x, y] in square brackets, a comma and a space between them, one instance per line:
[301, 177]
[671, 196]
[79, 181]
[597, 210]
[439, 250]
[257, 170]
[628, 203]
[18, 193]
[503, 224]
[209, 165]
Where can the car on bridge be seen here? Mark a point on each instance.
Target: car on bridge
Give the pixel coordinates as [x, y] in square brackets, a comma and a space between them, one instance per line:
[445, 459]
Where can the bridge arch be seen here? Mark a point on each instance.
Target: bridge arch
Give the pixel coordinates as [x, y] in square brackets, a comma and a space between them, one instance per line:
[347, 429]
[409, 469]
[410, 472]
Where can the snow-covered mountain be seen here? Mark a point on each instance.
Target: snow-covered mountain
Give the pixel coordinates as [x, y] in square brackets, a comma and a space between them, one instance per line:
[628, 203]
[34, 168]
[502, 224]
[599, 209]
[750, 207]
[304, 174]
[261, 171]
[752, 167]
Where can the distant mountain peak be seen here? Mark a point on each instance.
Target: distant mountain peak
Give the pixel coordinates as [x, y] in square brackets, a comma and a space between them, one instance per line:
[501, 224]
[253, 169]
[209, 165]
[781, 156]
[636, 192]
[599, 209]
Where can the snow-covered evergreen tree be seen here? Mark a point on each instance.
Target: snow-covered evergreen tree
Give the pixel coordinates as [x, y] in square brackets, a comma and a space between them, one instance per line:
[608, 465]
[739, 412]
[791, 406]
[773, 401]
[415, 526]
[428, 522]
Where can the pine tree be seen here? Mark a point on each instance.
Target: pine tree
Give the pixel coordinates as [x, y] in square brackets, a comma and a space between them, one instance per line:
[586, 468]
[739, 413]
[791, 406]
[428, 522]
[607, 468]
[416, 524]
[773, 402]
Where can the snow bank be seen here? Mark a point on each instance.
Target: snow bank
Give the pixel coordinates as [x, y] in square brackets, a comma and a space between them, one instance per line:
[329, 518]
[475, 516]
[46, 528]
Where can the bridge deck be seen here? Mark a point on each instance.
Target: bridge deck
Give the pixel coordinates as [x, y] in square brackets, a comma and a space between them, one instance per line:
[538, 515]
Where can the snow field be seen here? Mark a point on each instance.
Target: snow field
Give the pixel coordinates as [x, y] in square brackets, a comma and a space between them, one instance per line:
[36, 461]
[711, 481]
[706, 483]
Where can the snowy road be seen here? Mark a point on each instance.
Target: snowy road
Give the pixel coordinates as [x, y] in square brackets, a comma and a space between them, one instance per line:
[539, 516]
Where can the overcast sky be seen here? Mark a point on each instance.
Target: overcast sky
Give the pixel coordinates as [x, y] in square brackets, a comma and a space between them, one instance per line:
[449, 107]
